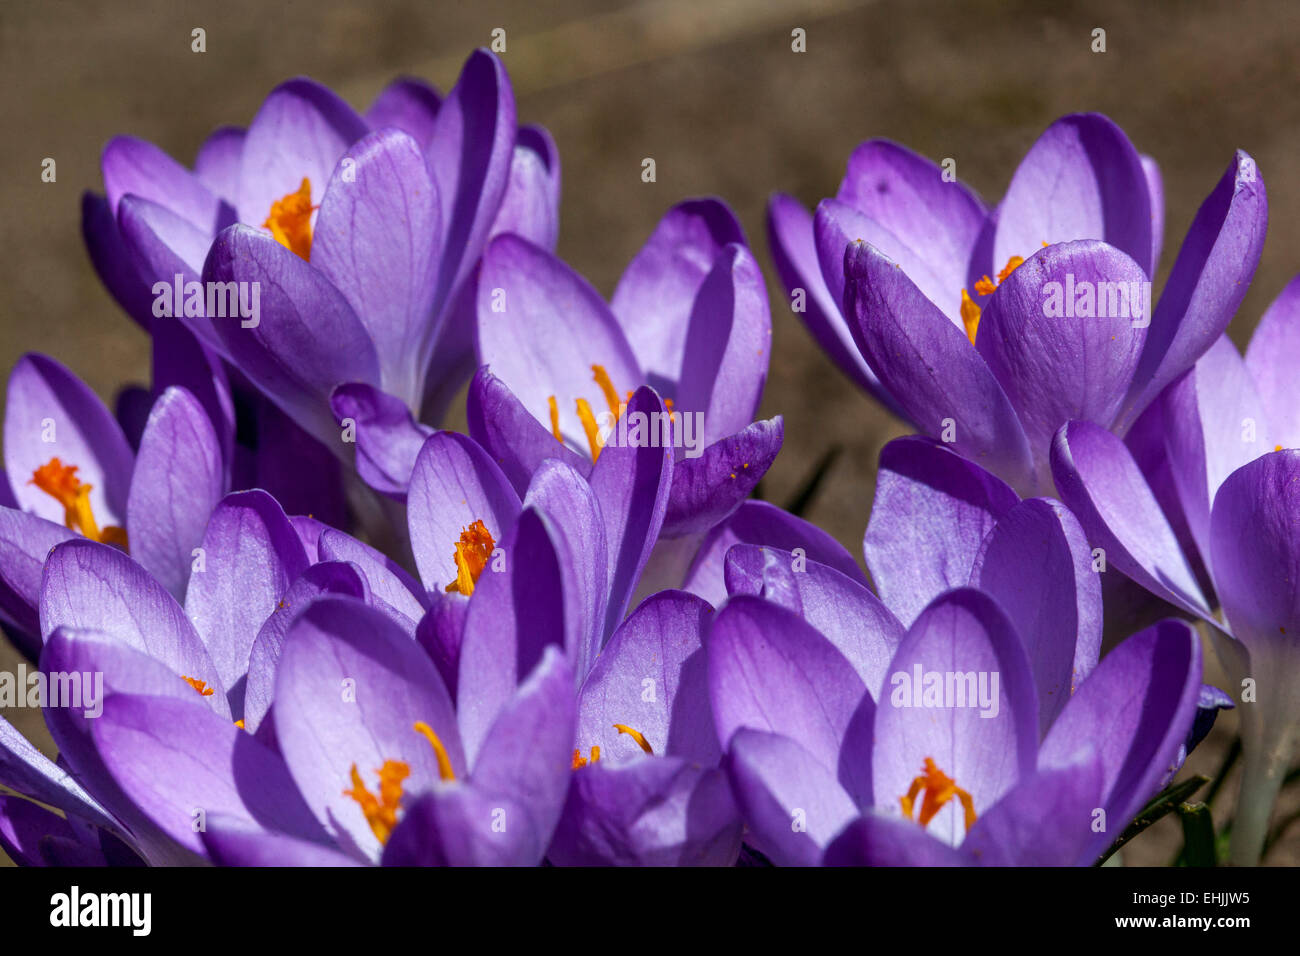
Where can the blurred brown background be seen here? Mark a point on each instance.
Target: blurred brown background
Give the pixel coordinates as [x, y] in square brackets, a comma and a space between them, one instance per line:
[711, 90]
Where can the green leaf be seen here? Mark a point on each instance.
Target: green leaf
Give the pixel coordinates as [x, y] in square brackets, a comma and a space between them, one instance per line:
[1198, 835]
[1161, 805]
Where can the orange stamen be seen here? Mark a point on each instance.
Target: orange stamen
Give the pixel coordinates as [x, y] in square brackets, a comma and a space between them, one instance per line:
[61, 483]
[580, 761]
[601, 378]
[970, 311]
[635, 735]
[445, 770]
[380, 812]
[472, 553]
[938, 789]
[290, 220]
[590, 427]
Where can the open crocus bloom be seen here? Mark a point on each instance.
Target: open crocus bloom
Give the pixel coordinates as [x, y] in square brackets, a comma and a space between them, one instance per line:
[945, 765]
[359, 232]
[1198, 506]
[957, 315]
[72, 474]
[689, 319]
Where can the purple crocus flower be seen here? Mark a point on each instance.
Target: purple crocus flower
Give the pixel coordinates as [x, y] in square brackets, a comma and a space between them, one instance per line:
[359, 232]
[73, 474]
[1196, 507]
[689, 318]
[899, 269]
[825, 770]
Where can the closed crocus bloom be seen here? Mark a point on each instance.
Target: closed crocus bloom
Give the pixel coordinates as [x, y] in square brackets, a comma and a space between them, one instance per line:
[1198, 493]
[992, 328]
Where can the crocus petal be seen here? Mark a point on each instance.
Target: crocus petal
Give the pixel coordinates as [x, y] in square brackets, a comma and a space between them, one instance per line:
[656, 293]
[178, 480]
[1099, 481]
[929, 366]
[662, 812]
[409, 104]
[916, 216]
[1270, 359]
[770, 671]
[251, 555]
[326, 577]
[28, 771]
[113, 261]
[305, 476]
[454, 484]
[388, 580]
[1156, 192]
[218, 160]
[1082, 179]
[794, 250]
[50, 413]
[1208, 281]
[441, 631]
[526, 754]
[516, 440]
[90, 586]
[173, 758]
[1214, 423]
[932, 510]
[461, 825]
[563, 495]
[387, 274]
[727, 347]
[1037, 564]
[25, 541]
[301, 130]
[515, 612]
[230, 841]
[1046, 820]
[789, 800]
[652, 677]
[1134, 712]
[531, 204]
[307, 339]
[1073, 363]
[845, 612]
[987, 744]
[133, 166]
[469, 154]
[541, 327]
[758, 522]
[388, 438]
[350, 687]
[632, 485]
[25, 826]
[181, 359]
[878, 840]
[708, 488]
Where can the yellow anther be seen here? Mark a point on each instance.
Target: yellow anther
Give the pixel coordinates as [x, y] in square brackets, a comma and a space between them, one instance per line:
[635, 735]
[589, 427]
[472, 553]
[290, 220]
[201, 686]
[970, 316]
[580, 761]
[555, 419]
[445, 770]
[601, 378]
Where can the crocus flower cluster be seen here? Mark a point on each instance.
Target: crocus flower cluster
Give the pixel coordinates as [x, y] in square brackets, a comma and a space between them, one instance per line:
[276, 615]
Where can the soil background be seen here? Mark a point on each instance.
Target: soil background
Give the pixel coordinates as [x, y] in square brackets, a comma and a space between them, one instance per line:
[713, 92]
